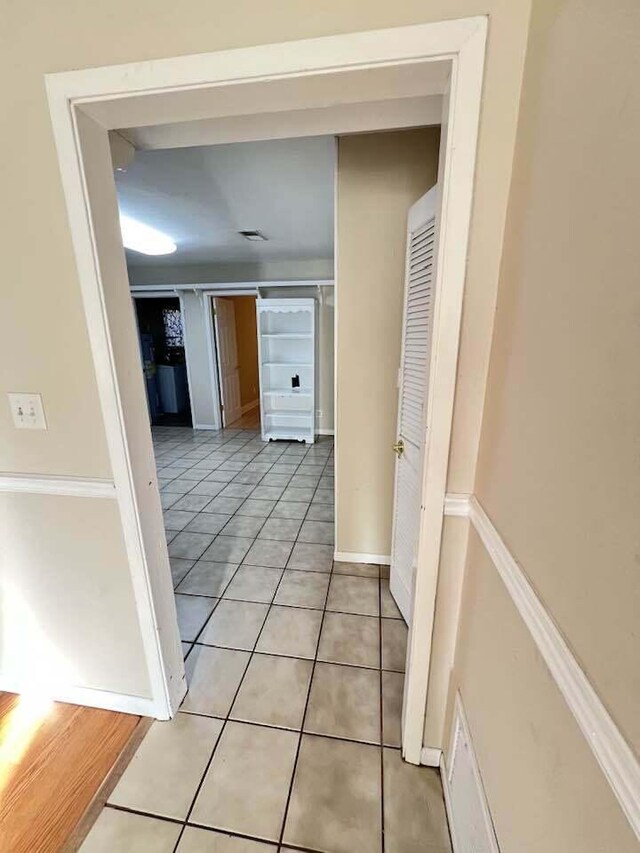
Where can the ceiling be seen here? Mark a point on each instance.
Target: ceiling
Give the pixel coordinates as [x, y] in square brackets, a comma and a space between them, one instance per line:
[202, 196]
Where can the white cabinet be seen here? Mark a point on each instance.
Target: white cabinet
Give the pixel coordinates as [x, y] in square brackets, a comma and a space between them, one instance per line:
[286, 352]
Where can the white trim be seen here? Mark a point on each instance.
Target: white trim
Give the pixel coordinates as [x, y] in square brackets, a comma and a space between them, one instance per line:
[239, 291]
[324, 431]
[207, 308]
[187, 356]
[456, 192]
[43, 484]
[353, 557]
[456, 505]
[231, 285]
[336, 327]
[206, 426]
[612, 752]
[107, 699]
[430, 756]
[102, 88]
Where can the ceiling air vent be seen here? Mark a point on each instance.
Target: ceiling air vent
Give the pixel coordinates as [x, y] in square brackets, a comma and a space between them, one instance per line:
[254, 236]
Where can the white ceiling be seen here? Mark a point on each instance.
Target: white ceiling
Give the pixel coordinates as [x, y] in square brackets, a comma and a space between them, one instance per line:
[202, 197]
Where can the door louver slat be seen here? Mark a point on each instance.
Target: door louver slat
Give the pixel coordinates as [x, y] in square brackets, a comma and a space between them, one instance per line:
[417, 333]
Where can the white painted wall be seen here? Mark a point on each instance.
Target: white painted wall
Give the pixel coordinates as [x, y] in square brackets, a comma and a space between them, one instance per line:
[200, 370]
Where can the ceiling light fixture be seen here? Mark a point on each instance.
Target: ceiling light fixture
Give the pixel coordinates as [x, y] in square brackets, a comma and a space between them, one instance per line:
[254, 236]
[145, 239]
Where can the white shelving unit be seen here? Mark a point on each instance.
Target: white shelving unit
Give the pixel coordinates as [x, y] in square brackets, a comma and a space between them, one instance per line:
[286, 349]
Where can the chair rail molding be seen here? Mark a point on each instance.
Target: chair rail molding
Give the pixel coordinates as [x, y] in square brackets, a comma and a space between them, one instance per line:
[45, 484]
[612, 752]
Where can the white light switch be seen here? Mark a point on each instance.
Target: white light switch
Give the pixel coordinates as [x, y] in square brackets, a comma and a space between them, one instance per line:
[27, 411]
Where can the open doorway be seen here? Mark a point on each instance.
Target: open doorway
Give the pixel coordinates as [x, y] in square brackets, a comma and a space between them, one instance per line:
[236, 355]
[161, 335]
[84, 106]
[247, 485]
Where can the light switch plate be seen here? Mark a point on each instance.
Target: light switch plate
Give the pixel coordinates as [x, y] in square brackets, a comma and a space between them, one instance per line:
[27, 411]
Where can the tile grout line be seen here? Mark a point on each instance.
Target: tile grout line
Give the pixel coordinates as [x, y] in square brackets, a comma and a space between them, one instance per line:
[325, 465]
[233, 515]
[226, 720]
[285, 813]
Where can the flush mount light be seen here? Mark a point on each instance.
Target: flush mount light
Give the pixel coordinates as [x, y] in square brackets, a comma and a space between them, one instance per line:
[144, 239]
[254, 236]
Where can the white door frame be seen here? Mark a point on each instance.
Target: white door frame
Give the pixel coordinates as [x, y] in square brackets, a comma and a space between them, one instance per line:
[84, 105]
[209, 295]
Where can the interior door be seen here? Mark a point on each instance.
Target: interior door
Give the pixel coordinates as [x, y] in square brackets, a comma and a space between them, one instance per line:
[413, 382]
[224, 320]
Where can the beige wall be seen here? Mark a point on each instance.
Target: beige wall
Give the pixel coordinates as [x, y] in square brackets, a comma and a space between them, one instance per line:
[45, 342]
[558, 468]
[380, 175]
[546, 792]
[247, 341]
[57, 587]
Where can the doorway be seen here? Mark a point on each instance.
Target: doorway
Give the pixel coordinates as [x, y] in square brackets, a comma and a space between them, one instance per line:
[236, 355]
[85, 104]
[162, 351]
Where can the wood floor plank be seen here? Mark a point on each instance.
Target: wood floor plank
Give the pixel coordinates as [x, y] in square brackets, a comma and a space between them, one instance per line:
[51, 768]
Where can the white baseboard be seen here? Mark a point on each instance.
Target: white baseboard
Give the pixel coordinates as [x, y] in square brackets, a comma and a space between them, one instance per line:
[248, 407]
[612, 752]
[122, 702]
[430, 756]
[42, 484]
[205, 426]
[325, 431]
[352, 557]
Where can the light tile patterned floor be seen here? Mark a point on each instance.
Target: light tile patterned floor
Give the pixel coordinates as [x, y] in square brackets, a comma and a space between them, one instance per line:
[289, 736]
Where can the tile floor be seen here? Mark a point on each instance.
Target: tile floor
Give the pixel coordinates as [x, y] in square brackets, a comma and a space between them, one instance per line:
[288, 738]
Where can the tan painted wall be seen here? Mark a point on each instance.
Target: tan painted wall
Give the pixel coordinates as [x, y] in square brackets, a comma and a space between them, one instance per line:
[247, 340]
[546, 792]
[558, 469]
[45, 342]
[57, 587]
[380, 175]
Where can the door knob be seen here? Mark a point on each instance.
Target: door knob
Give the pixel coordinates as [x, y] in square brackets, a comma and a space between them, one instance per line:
[398, 447]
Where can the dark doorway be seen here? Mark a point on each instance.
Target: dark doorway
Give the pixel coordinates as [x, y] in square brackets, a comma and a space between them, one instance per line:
[161, 335]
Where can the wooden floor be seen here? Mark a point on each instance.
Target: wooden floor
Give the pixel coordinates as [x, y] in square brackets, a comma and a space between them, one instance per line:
[249, 421]
[53, 760]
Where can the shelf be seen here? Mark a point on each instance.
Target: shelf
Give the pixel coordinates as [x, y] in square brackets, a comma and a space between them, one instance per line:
[297, 336]
[286, 332]
[293, 414]
[291, 433]
[284, 364]
[287, 392]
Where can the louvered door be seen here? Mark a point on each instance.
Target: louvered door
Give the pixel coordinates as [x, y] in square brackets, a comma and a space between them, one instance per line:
[413, 379]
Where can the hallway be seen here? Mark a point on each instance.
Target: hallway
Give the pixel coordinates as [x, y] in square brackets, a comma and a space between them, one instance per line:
[289, 736]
